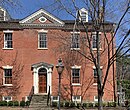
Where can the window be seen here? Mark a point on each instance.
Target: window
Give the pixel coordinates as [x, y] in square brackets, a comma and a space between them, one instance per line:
[95, 74]
[94, 41]
[42, 41]
[7, 98]
[95, 98]
[8, 43]
[76, 98]
[75, 40]
[7, 76]
[83, 16]
[75, 75]
[55, 98]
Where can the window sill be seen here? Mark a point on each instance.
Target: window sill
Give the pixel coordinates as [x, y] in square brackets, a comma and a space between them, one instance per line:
[95, 84]
[9, 85]
[75, 48]
[7, 48]
[76, 84]
[42, 48]
[95, 49]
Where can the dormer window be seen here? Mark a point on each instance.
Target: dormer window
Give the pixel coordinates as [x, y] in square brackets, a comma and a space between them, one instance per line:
[83, 15]
[4, 16]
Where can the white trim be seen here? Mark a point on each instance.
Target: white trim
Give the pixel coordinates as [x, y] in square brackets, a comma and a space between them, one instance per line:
[7, 48]
[8, 31]
[76, 100]
[75, 32]
[7, 67]
[36, 78]
[3, 98]
[42, 48]
[76, 84]
[41, 20]
[53, 99]
[95, 99]
[37, 13]
[95, 67]
[75, 67]
[42, 31]
[93, 33]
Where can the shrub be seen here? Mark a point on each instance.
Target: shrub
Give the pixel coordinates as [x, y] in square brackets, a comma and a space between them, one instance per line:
[27, 103]
[78, 105]
[85, 105]
[22, 103]
[111, 104]
[3, 103]
[62, 104]
[96, 104]
[72, 104]
[10, 103]
[104, 104]
[16, 103]
[66, 104]
[90, 104]
[54, 104]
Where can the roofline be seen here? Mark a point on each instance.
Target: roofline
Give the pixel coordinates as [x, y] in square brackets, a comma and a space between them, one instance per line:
[37, 12]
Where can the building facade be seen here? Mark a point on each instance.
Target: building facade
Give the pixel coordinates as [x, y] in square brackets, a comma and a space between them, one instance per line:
[29, 52]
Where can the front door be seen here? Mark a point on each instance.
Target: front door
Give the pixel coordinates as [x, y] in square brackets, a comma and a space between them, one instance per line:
[42, 81]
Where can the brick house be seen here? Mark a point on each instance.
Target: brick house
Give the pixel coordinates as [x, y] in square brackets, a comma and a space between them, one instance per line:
[29, 52]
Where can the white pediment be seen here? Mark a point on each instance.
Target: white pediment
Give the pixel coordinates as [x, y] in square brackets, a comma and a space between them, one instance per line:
[41, 14]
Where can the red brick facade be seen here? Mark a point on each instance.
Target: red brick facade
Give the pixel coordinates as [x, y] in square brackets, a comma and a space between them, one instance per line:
[25, 59]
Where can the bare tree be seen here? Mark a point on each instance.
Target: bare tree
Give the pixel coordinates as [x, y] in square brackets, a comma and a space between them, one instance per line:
[99, 11]
[17, 75]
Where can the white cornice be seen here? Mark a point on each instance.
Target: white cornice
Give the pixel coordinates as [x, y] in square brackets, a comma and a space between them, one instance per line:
[39, 12]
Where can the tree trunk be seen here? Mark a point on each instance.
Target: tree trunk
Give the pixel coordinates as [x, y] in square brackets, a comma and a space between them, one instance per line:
[100, 105]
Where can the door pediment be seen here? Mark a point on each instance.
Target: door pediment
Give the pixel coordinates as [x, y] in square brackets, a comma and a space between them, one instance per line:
[42, 64]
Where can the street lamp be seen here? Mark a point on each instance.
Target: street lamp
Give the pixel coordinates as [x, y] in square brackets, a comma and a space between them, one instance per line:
[60, 68]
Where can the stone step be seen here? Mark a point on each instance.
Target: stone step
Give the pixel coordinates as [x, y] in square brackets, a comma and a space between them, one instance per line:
[39, 102]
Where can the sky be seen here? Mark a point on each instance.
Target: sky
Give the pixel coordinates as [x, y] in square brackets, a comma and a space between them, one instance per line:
[26, 7]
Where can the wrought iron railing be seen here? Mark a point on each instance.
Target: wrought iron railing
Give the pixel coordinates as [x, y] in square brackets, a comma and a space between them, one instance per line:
[31, 94]
[48, 97]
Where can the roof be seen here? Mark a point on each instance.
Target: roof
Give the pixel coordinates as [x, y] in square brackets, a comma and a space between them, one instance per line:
[10, 25]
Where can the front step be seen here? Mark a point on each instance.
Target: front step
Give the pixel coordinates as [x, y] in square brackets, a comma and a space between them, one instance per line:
[39, 102]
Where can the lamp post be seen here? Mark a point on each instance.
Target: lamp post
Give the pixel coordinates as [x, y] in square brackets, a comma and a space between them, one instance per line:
[60, 68]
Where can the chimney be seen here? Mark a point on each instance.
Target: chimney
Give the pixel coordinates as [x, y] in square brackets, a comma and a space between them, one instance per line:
[82, 15]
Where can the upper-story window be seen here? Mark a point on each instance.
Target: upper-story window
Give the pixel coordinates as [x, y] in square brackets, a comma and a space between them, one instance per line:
[7, 76]
[75, 42]
[94, 41]
[42, 40]
[8, 41]
[95, 74]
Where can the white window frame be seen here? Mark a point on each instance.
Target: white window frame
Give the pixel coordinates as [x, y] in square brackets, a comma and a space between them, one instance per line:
[93, 73]
[42, 32]
[42, 18]
[75, 41]
[7, 99]
[94, 41]
[52, 98]
[76, 100]
[6, 67]
[75, 67]
[95, 98]
[27, 98]
[5, 41]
